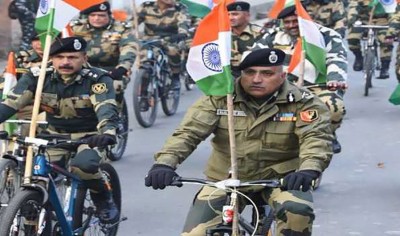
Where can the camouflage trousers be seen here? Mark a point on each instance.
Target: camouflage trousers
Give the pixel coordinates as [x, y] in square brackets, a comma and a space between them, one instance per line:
[293, 211]
[174, 56]
[26, 18]
[358, 11]
[398, 63]
[335, 104]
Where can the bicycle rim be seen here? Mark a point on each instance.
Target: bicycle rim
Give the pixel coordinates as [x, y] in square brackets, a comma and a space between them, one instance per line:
[169, 97]
[189, 82]
[145, 117]
[117, 151]
[369, 67]
[9, 182]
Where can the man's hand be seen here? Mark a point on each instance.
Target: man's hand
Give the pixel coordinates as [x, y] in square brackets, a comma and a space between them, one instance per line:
[160, 176]
[389, 39]
[300, 180]
[117, 73]
[101, 140]
[335, 85]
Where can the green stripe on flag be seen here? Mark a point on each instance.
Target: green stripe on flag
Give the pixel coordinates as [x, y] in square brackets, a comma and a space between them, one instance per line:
[45, 23]
[379, 9]
[395, 96]
[195, 9]
[217, 85]
[316, 56]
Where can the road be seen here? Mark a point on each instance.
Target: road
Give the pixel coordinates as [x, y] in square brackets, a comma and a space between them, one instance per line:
[359, 194]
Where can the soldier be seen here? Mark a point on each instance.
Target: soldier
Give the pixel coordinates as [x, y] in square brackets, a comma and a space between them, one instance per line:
[329, 13]
[244, 34]
[360, 10]
[392, 33]
[336, 61]
[78, 101]
[112, 46]
[169, 21]
[276, 137]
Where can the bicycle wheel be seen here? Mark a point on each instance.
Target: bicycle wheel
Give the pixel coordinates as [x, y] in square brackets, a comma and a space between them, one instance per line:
[169, 97]
[84, 206]
[9, 182]
[117, 151]
[189, 82]
[267, 224]
[369, 67]
[145, 99]
[26, 215]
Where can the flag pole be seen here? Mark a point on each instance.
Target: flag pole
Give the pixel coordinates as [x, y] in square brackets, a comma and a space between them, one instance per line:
[38, 95]
[300, 81]
[136, 26]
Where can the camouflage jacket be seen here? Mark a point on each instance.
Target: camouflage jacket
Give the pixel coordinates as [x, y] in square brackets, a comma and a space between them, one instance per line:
[109, 47]
[86, 104]
[272, 139]
[331, 15]
[394, 23]
[244, 41]
[336, 55]
[157, 23]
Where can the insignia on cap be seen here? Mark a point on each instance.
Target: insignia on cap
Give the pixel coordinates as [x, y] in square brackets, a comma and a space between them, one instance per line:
[273, 58]
[77, 45]
[238, 8]
[103, 7]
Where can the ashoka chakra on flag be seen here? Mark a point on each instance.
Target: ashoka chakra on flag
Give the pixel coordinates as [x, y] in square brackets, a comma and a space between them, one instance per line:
[211, 57]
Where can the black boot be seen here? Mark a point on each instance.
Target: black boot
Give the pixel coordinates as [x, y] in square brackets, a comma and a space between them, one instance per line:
[384, 70]
[336, 147]
[358, 62]
[106, 208]
[398, 77]
[176, 82]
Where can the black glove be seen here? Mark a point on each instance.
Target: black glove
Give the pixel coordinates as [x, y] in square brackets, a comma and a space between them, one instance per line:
[101, 140]
[300, 180]
[160, 176]
[117, 73]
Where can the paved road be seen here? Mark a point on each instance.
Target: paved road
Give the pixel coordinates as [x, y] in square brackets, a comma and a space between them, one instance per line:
[360, 190]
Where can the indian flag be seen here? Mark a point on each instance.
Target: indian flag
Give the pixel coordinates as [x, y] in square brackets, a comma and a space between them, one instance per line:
[54, 15]
[209, 56]
[10, 80]
[278, 7]
[198, 8]
[312, 43]
[383, 6]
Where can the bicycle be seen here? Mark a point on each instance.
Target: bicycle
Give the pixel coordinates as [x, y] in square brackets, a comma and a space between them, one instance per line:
[153, 83]
[262, 222]
[37, 208]
[370, 53]
[116, 152]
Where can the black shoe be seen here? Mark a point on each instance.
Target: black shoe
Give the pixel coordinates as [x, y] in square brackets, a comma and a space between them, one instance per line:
[144, 104]
[106, 209]
[336, 147]
[384, 70]
[358, 64]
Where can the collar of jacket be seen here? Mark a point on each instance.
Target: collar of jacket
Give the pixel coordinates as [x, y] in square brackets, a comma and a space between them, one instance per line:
[106, 27]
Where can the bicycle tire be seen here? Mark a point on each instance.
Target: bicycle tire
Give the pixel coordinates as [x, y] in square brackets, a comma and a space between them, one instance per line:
[266, 228]
[117, 151]
[369, 68]
[145, 118]
[189, 82]
[10, 180]
[25, 204]
[83, 203]
[169, 97]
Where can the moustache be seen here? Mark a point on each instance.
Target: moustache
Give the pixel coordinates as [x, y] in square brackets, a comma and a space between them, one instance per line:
[66, 67]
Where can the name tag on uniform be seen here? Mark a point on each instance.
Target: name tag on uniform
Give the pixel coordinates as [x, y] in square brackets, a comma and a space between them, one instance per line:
[281, 117]
[223, 112]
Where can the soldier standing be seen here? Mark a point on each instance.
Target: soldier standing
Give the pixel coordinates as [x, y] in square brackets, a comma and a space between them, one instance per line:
[276, 137]
[360, 10]
[111, 44]
[244, 34]
[78, 102]
[336, 61]
[170, 21]
[392, 33]
[329, 13]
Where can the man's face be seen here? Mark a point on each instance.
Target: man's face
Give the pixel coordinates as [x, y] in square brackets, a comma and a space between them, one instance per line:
[239, 18]
[69, 63]
[167, 2]
[261, 81]
[99, 19]
[291, 25]
[37, 46]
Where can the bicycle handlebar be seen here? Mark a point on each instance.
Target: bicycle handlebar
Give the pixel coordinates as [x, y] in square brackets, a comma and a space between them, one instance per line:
[370, 26]
[228, 183]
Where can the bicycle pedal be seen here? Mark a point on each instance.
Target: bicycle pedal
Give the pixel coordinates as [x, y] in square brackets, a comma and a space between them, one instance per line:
[124, 218]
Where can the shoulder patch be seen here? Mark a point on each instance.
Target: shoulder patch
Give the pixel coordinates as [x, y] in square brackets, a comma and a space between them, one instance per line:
[99, 88]
[309, 115]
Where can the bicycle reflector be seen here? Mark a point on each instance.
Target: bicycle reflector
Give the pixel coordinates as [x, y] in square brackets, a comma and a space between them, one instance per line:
[227, 214]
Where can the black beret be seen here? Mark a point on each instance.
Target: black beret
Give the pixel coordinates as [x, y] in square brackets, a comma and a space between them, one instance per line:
[71, 44]
[238, 6]
[289, 11]
[263, 57]
[105, 6]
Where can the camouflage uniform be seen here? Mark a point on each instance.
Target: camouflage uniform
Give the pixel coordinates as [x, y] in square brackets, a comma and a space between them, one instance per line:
[242, 43]
[163, 24]
[359, 10]
[394, 31]
[271, 140]
[109, 47]
[329, 13]
[336, 63]
[26, 16]
[85, 106]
